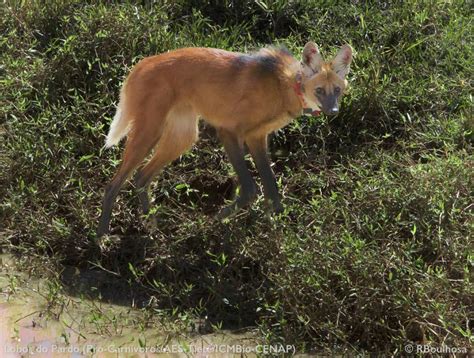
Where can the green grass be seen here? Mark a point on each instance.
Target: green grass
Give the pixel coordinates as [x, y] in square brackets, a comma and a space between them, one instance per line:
[374, 249]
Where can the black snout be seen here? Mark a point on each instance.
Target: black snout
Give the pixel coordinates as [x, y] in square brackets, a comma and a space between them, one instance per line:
[330, 105]
[333, 110]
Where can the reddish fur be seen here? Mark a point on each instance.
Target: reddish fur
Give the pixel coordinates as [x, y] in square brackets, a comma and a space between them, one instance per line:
[208, 82]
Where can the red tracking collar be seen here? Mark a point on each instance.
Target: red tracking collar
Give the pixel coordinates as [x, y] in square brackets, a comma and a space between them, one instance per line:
[299, 92]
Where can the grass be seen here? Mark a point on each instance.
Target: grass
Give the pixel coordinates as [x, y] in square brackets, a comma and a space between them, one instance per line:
[374, 249]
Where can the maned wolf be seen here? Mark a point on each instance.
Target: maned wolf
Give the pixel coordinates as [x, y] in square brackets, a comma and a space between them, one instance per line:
[244, 96]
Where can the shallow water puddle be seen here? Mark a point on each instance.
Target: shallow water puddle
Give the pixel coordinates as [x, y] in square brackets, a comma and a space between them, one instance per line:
[20, 335]
[24, 330]
[24, 333]
[84, 328]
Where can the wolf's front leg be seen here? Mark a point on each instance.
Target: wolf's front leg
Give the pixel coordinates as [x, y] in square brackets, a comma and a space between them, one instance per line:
[258, 149]
[248, 190]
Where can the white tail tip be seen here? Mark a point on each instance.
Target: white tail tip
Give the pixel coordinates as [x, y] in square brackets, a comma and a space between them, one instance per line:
[118, 129]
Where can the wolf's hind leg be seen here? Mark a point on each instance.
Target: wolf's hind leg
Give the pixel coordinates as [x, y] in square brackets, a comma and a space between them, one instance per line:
[179, 135]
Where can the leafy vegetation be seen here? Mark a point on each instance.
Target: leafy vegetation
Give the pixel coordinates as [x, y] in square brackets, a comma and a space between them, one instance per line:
[374, 249]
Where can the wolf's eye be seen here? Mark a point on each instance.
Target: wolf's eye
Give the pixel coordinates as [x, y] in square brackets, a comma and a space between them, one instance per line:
[337, 90]
[320, 90]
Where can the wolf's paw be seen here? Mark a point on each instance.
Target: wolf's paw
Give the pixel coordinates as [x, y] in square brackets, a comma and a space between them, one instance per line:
[274, 207]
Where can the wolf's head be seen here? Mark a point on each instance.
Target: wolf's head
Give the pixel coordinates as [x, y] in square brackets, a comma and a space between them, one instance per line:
[323, 83]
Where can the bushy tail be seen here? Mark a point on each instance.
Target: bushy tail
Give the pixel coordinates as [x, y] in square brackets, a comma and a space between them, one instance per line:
[118, 129]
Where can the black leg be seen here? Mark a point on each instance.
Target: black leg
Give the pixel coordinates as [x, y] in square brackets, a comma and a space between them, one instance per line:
[142, 186]
[111, 192]
[248, 190]
[258, 150]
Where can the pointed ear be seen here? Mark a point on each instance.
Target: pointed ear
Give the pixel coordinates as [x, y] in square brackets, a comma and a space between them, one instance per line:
[342, 61]
[312, 60]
